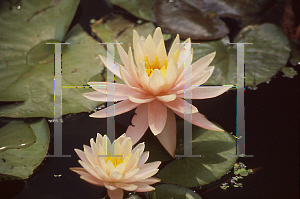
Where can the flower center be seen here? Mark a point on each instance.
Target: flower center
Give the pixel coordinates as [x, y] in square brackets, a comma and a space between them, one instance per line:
[155, 65]
[118, 159]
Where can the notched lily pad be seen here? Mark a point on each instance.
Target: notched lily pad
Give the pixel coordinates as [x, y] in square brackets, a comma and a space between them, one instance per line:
[173, 191]
[180, 17]
[21, 162]
[138, 8]
[217, 150]
[263, 59]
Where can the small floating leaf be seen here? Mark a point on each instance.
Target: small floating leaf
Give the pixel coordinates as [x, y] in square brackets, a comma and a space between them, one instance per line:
[21, 162]
[16, 135]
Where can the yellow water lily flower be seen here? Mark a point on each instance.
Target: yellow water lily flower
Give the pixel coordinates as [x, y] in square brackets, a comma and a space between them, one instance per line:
[124, 171]
[155, 84]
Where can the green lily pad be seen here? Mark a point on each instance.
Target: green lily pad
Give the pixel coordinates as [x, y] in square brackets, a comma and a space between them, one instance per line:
[289, 72]
[16, 135]
[173, 191]
[183, 18]
[35, 87]
[27, 65]
[295, 53]
[263, 59]
[262, 11]
[22, 162]
[116, 28]
[134, 196]
[138, 8]
[217, 150]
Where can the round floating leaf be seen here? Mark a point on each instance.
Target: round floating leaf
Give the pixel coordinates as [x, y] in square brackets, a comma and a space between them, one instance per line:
[117, 28]
[35, 86]
[289, 72]
[180, 17]
[173, 191]
[16, 135]
[139, 8]
[295, 53]
[21, 162]
[263, 59]
[217, 150]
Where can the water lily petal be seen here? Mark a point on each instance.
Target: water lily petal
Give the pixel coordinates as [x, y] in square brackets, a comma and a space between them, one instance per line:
[198, 67]
[115, 176]
[115, 194]
[81, 154]
[138, 54]
[89, 169]
[200, 120]
[133, 69]
[144, 157]
[119, 108]
[129, 81]
[133, 161]
[141, 147]
[174, 47]
[184, 55]
[168, 135]
[150, 180]
[139, 122]
[141, 98]
[87, 176]
[157, 116]
[110, 186]
[161, 52]
[114, 68]
[156, 82]
[125, 186]
[178, 105]
[101, 173]
[126, 146]
[137, 40]
[157, 36]
[120, 89]
[130, 174]
[123, 56]
[143, 187]
[101, 97]
[204, 92]
[149, 48]
[171, 75]
[143, 76]
[141, 175]
[166, 98]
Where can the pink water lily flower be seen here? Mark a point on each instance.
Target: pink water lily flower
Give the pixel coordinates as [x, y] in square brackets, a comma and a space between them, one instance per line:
[123, 170]
[155, 84]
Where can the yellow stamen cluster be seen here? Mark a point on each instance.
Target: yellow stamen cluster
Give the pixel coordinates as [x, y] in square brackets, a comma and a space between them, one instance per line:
[118, 159]
[155, 65]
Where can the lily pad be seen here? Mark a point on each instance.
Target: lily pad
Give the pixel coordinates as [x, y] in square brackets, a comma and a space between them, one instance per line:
[180, 17]
[16, 135]
[263, 59]
[139, 8]
[117, 28]
[262, 11]
[21, 162]
[217, 150]
[289, 72]
[35, 87]
[27, 65]
[173, 191]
